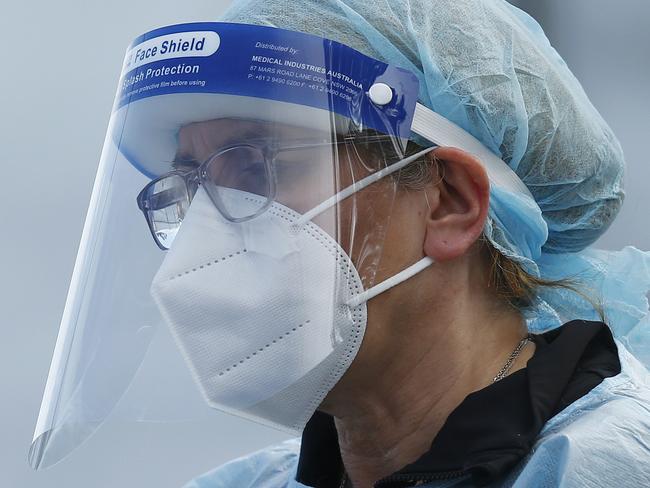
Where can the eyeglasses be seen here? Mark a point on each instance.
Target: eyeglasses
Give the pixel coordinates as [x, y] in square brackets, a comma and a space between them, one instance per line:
[250, 167]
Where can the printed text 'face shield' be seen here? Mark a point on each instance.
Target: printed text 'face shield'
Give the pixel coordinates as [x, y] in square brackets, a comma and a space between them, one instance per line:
[223, 228]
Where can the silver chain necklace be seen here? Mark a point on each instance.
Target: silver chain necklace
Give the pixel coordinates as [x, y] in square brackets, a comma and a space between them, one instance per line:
[513, 355]
[500, 375]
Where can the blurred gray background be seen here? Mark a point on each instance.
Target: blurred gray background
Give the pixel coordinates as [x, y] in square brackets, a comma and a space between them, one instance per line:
[59, 66]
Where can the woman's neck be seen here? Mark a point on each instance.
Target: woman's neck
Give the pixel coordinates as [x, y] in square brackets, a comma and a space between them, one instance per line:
[396, 397]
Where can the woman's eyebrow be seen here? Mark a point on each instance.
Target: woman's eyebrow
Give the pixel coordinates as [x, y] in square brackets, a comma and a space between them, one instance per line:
[186, 155]
[183, 158]
[184, 161]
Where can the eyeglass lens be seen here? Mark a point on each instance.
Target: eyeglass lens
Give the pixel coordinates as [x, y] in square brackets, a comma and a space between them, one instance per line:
[238, 168]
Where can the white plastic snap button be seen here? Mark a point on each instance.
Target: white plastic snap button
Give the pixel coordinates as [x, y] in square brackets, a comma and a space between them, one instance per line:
[380, 93]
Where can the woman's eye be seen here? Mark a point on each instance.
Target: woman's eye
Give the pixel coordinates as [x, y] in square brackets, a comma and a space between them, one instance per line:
[252, 169]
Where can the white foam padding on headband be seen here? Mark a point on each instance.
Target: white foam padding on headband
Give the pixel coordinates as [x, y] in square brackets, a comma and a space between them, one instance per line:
[443, 132]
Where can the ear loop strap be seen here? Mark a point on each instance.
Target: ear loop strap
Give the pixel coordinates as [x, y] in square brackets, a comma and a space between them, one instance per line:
[394, 280]
[350, 190]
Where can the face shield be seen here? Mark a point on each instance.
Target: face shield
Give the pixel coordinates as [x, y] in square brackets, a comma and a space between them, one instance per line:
[235, 230]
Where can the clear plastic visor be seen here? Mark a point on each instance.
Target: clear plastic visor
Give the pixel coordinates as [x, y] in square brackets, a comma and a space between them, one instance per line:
[226, 218]
[114, 355]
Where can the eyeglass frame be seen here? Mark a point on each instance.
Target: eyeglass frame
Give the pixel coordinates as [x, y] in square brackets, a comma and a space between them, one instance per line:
[198, 176]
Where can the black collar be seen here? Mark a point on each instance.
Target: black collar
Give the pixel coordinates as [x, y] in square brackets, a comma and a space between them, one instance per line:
[493, 428]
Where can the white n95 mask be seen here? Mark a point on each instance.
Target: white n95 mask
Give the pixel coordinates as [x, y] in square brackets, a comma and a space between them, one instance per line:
[268, 313]
[258, 309]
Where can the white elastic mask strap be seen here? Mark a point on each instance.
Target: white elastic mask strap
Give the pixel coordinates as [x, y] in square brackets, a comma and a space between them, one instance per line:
[390, 282]
[357, 186]
[352, 189]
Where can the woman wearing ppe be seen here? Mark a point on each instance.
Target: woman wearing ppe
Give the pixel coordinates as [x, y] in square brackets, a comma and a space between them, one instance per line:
[373, 226]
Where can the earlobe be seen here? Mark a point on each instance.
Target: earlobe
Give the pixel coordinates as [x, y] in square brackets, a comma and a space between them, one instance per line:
[457, 213]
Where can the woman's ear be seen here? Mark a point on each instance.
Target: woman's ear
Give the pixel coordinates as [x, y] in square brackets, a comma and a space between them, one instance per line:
[458, 204]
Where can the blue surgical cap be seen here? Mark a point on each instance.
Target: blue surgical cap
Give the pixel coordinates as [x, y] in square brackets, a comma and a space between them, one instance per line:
[488, 67]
